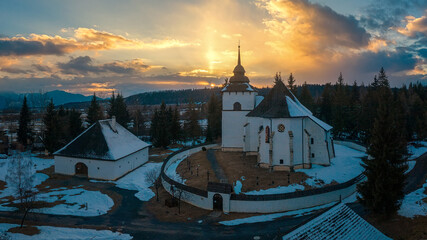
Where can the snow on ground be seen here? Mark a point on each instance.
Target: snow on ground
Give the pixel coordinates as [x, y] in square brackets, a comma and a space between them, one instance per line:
[415, 152]
[39, 164]
[171, 171]
[277, 190]
[414, 203]
[345, 166]
[271, 217]
[135, 180]
[78, 202]
[61, 233]
[411, 165]
[238, 187]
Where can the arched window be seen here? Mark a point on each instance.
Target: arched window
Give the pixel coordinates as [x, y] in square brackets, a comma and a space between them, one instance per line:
[267, 134]
[237, 106]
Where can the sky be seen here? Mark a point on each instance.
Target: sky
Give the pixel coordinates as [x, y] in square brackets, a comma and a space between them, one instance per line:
[134, 46]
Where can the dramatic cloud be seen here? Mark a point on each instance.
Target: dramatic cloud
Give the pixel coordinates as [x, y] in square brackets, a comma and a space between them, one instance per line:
[312, 27]
[83, 65]
[83, 39]
[415, 27]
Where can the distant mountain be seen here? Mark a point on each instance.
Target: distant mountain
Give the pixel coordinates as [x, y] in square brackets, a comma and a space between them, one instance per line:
[11, 100]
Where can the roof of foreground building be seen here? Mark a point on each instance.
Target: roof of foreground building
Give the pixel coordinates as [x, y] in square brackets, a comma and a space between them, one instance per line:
[339, 222]
[104, 140]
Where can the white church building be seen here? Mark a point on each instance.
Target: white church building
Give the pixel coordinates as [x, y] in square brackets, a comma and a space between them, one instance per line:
[106, 150]
[278, 128]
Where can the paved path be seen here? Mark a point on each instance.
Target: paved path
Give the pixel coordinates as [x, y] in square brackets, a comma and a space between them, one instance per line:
[219, 172]
[417, 176]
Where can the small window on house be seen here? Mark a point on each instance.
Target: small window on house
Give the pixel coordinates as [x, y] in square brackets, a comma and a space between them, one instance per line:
[98, 168]
[281, 161]
[312, 155]
[312, 140]
[237, 106]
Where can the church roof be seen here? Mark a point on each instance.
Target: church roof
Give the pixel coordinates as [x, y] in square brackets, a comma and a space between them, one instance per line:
[104, 141]
[281, 103]
[238, 82]
[339, 222]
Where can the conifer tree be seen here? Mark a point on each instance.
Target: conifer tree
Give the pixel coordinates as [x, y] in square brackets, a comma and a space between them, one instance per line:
[50, 121]
[339, 107]
[326, 104]
[75, 124]
[94, 112]
[192, 126]
[385, 167]
[383, 79]
[118, 108]
[306, 98]
[160, 128]
[24, 131]
[291, 84]
[213, 130]
[175, 125]
[138, 123]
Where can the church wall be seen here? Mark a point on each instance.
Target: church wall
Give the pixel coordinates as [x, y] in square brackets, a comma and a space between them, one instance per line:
[319, 147]
[233, 121]
[246, 99]
[232, 128]
[251, 134]
[281, 146]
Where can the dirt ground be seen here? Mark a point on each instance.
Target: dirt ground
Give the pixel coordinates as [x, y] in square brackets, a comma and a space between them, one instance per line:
[400, 228]
[238, 167]
[2, 185]
[27, 230]
[197, 178]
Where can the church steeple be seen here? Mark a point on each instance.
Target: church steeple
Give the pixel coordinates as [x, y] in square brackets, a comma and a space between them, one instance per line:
[238, 58]
[239, 71]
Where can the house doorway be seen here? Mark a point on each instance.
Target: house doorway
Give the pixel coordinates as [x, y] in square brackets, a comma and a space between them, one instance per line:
[81, 169]
[217, 202]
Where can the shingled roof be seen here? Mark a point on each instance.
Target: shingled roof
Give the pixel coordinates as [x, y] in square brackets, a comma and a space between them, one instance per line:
[274, 104]
[339, 222]
[281, 103]
[104, 140]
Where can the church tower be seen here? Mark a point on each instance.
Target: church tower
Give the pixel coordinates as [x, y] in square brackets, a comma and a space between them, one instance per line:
[238, 99]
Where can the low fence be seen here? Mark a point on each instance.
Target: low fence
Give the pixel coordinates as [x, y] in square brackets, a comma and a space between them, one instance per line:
[351, 144]
[256, 203]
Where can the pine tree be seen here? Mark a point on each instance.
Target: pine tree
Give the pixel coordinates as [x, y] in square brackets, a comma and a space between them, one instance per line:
[175, 125]
[291, 84]
[24, 131]
[118, 109]
[138, 123]
[306, 98]
[192, 126]
[94, 111]
[340, 114]
[75, 124]
[50, 121]
[354, 111]
[386, 166]
[326, 104]
[160, 128]
[383, 79]
[213, 130]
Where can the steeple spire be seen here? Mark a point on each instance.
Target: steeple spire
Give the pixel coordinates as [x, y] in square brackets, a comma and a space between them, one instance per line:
[238, 58]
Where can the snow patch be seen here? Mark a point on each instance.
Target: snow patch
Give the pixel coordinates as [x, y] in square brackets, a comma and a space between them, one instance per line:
[62, 233]
[413, 203]
[238, 187]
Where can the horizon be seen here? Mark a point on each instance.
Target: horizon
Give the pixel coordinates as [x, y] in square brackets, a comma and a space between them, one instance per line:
[132, 47]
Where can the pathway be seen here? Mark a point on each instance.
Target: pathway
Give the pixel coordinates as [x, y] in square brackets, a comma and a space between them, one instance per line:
[219, 172]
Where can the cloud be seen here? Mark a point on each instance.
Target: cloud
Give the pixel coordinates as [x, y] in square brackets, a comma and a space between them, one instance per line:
[83, 39]
[83, 65]
[308, 27]
[415, 27]
[397, 61]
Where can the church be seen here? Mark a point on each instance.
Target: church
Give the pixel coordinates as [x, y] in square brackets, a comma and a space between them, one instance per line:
[278, 129]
